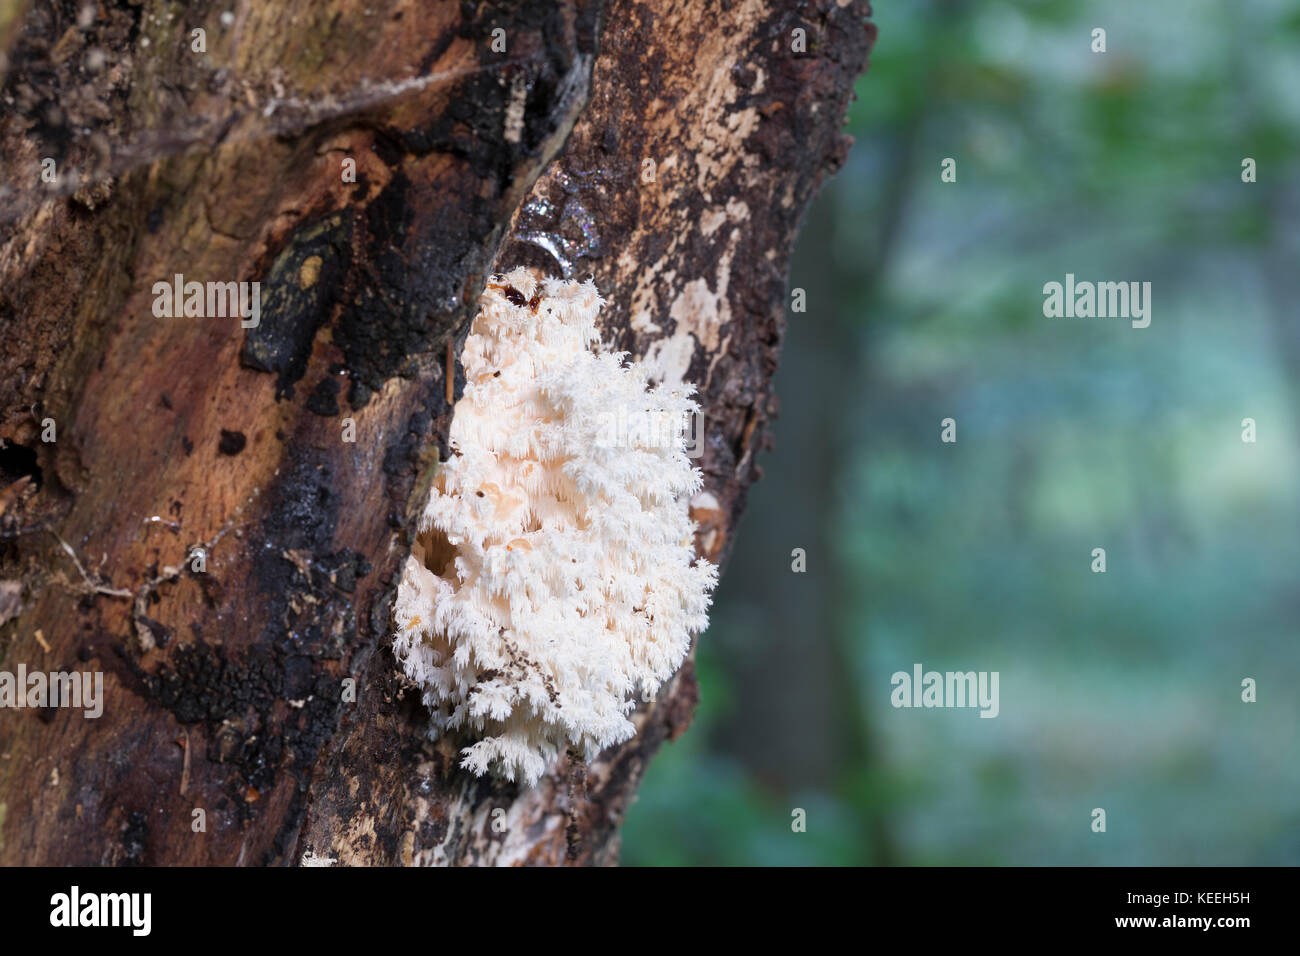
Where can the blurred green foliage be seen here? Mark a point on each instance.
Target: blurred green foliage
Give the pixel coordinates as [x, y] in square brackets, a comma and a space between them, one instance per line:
[1118, 690]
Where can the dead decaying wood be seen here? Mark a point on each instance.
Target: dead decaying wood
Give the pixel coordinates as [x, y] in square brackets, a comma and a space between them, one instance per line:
[668, 150]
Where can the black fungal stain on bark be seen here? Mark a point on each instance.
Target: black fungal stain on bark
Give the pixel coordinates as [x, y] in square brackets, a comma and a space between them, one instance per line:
[300, 292]
[232, 442]
[324, 398]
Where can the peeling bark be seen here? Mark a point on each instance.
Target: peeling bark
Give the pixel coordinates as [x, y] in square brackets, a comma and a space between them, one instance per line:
[225, 688]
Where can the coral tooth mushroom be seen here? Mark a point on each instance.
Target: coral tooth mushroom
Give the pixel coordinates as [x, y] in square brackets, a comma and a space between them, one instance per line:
[554, 579]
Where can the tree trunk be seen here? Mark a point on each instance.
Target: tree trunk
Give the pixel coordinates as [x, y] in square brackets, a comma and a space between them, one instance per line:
[181, 507]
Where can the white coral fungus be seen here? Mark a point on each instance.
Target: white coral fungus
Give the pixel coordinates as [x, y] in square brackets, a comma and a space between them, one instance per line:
[553, 580]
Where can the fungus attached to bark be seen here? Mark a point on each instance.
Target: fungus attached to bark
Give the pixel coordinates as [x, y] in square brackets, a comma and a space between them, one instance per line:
[554, 578]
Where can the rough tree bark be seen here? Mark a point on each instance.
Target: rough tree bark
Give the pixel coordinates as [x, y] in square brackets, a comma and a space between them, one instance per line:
[667, 149]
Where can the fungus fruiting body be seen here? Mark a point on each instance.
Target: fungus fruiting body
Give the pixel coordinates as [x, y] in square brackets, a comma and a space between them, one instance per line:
[554, 580]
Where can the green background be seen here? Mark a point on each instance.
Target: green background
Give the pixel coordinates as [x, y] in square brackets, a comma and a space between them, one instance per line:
[924, 301]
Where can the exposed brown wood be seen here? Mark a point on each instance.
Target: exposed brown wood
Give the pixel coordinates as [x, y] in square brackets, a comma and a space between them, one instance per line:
[178, 434]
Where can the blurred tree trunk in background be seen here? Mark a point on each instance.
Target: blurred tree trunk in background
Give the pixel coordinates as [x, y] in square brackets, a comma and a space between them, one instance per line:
[800, 719]
[369, 165]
